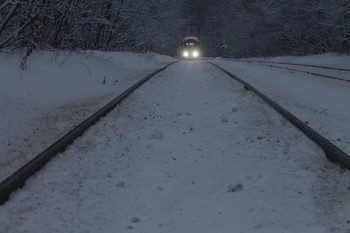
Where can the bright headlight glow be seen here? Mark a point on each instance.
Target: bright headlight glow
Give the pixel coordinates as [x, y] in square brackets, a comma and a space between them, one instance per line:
[195, 54]
[185, 54]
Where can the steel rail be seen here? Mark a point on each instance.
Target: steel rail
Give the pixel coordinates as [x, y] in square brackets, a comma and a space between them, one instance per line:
[298, 64]
[332, 152]
[301, 71]
[308, 72]
[18, 179]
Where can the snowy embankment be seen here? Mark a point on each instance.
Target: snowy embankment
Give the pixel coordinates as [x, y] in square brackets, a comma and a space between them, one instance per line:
[322, 103]
[56, 92]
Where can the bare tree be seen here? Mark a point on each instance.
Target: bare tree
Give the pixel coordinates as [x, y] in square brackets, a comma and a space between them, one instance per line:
[248, 27]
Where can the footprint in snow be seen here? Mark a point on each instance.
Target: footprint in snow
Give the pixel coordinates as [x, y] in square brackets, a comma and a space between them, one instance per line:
[184, 114]
[234, 188]
[135, 220]
[234, 109]
[157, 135]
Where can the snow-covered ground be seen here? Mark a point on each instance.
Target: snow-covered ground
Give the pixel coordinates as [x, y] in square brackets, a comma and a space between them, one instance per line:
[323, 103]
[327, 59]
[330, 60]
[57, 91]
[189, 151]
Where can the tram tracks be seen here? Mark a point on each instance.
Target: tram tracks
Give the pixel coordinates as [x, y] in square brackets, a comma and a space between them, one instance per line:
[18, 179]
[333, 153]
[320, 74]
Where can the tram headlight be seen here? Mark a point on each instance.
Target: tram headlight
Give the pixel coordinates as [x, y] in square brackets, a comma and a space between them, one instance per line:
[185, 54]
[195, 54]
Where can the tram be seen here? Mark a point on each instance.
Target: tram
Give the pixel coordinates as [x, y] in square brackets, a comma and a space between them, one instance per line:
[190, 48]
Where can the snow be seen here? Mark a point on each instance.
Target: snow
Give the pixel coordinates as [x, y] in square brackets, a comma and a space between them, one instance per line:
[323, 103]
[189, 151]
[327, 59]
[57, 91]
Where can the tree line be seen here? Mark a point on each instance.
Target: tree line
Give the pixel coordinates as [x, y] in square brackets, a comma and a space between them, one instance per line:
[248, 27]
[271, 27]
[86, 24]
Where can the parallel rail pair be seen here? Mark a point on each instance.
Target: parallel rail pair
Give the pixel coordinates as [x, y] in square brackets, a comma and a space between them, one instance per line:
[18, 179]
[275, 65]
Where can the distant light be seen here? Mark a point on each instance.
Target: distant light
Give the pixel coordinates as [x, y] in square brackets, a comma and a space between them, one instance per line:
[195, 54]
[185, 54]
